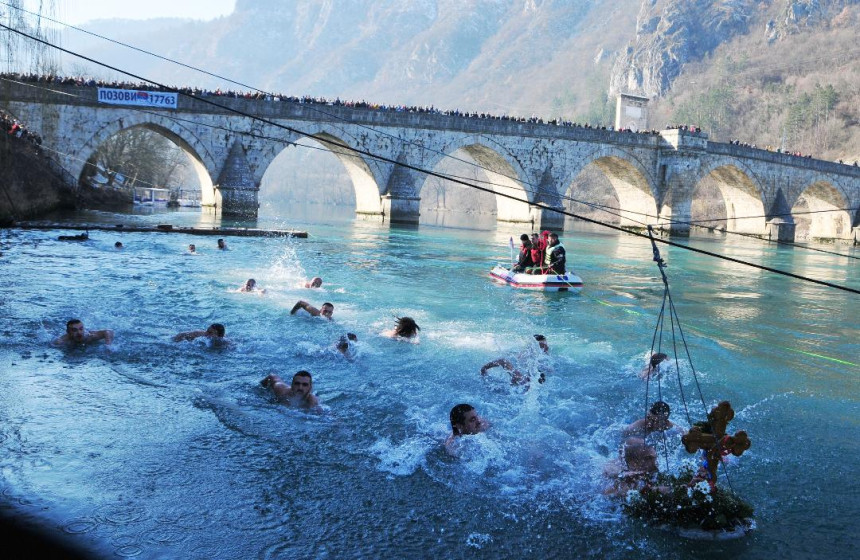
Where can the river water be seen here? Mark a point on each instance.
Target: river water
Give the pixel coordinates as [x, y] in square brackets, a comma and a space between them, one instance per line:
[156, 449]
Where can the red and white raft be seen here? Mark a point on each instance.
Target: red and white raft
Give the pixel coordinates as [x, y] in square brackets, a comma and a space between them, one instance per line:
[567, 282]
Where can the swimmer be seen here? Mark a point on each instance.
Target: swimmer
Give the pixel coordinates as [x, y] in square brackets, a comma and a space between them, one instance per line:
[250, 285]
[517, 377]
[192, 249]
[314, 282]
[344, 345]
[117, 245]
[657, 420]
[464, 422]
[215, 332]
[76, 334]
[222, 245]
[406, 327]
[326, 310]
[298, 394]
[635, 469]
[653, 365]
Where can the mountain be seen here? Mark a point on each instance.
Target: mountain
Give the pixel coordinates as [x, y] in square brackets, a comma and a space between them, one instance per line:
[777, 72]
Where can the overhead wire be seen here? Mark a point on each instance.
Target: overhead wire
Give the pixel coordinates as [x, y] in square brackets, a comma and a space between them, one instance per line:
[342, 146]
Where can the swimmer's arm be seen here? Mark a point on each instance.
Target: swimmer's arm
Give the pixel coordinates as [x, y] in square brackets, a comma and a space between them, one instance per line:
[106, 335]
[61, 340]
[633, 428]
[495, 363]
[190, 335]
[302, 304]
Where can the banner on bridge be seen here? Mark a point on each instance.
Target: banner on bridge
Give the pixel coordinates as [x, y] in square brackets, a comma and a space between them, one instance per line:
[138, 98]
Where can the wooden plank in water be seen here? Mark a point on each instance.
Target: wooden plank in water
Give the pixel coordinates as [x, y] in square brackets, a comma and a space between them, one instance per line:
[167, 228]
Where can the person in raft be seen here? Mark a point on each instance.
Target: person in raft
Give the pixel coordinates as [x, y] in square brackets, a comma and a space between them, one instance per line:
[525, 260]
[555, 261]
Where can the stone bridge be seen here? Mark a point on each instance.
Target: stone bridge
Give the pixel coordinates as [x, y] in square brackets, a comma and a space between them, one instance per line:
[655, 176]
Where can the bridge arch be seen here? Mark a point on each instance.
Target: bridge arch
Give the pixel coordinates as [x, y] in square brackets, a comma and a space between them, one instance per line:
[817, 212]
[202, 161]
[504, 174]
[633, 185]
[742, 193]
[366, 175]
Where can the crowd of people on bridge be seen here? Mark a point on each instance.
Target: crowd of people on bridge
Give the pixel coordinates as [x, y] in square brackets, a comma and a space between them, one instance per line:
[307, 99]
[337, 102]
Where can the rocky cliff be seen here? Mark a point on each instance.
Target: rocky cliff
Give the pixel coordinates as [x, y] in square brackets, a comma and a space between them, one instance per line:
[671, 33]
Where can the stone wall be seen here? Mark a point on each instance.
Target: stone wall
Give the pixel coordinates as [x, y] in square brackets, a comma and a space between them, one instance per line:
[29, 186]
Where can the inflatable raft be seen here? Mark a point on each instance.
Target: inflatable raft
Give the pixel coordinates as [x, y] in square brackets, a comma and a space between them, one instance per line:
[545, 282]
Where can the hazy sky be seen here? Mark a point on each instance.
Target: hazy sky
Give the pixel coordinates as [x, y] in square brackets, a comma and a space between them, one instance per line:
[79, 11]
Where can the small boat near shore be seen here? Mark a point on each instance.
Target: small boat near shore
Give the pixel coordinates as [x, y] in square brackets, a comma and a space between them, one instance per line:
[544, 282]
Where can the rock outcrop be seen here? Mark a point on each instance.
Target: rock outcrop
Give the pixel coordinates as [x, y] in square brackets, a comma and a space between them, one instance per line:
[671, 33]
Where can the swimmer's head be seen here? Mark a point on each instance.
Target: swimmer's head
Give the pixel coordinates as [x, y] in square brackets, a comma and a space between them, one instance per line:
[302, 383]
[406, 327]
[465, 420]
[658, 358]
[192, 248]
[75, 330]
[326, 310]
[343, 342]
[118, 245]
[216, 330]
[541, 340]
[315, 282]
[661, 409]
[221, 244]
[249, 284]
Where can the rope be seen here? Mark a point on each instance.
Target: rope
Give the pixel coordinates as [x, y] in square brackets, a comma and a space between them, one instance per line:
[675, 320]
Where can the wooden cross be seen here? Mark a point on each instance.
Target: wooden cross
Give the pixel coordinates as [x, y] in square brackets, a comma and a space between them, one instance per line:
[712, 439]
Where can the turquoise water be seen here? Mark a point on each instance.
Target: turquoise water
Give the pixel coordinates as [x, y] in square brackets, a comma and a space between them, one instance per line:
[157, 449]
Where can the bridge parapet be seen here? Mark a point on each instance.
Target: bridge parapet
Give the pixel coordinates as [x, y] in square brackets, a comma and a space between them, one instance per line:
[783, 159]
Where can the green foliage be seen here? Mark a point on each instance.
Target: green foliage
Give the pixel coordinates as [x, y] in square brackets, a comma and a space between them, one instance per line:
[685, 506]
[710, 109]
[809, 112]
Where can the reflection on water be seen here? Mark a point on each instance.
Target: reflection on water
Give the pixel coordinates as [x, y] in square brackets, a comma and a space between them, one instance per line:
[459, 220]
[163, 449]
